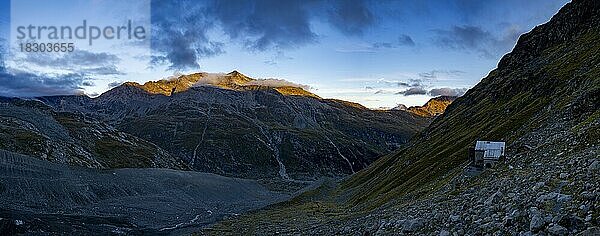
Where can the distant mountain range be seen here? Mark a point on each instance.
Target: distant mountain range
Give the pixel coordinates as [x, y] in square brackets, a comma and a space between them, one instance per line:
[228, 124]
[434, 107]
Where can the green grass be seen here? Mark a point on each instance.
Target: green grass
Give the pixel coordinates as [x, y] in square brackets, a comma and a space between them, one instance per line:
[116, 154]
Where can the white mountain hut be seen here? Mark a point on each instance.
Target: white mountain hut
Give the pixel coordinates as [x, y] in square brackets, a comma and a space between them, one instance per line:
[487, 153]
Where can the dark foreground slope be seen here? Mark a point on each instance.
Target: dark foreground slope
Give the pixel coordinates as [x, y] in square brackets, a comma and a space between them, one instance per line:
[39, 197]
[231, 128]
[552, 77]
[543, 100]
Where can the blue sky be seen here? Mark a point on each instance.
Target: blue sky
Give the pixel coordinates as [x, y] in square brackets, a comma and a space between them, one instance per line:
[377, 53]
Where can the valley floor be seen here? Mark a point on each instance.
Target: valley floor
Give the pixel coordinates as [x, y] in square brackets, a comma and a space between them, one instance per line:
[43, 197]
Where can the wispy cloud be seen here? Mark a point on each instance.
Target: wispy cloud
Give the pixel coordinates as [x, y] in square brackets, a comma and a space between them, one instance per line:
[276, 83]
[436, 74]
[405, 40]
[475, 39]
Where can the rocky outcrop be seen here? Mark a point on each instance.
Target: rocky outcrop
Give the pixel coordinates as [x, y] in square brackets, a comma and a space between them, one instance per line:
[434, 107]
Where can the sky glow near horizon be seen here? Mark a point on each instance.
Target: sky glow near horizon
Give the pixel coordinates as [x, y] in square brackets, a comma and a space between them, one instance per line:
[376, 53]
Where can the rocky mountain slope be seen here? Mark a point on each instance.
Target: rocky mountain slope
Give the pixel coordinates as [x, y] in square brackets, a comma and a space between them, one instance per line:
[44, 198]
[233, 125]
[30, 127]
[543, 100]
[232, 81]
[434, 107]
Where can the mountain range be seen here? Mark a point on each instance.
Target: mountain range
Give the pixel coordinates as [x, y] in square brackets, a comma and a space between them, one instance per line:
[226, 154]
[227, 124]
[543, 100]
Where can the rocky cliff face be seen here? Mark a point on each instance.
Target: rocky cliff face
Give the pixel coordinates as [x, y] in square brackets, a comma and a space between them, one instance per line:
[233, 126]
[434, 107]
[543, 100]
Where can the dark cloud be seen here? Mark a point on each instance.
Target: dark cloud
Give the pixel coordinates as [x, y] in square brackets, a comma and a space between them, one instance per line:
[22, 84]
[266, 24]
[475, 39]
[351, 16]
[181, 27]
[179, 34]
[405, 40]
[422, 80]
[413, 91]
[79, 62]
[455, 92]
[87, 83]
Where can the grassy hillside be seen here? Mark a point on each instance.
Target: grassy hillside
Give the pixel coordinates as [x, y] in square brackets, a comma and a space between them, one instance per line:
[511, 101]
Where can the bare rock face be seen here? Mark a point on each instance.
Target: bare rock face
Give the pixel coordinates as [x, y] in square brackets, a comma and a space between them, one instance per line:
[233, 125]
[434, 107]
